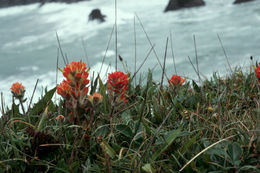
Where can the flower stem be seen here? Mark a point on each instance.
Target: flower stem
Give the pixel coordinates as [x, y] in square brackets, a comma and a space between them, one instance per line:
[21, 103]
[75, 112]
[111, 114]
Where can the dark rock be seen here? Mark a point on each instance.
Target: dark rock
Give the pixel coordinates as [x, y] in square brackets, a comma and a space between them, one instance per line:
[241, 1]
[96, 15]
[178, 4]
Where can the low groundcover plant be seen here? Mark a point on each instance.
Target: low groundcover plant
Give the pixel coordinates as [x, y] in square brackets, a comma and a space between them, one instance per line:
[124, 127]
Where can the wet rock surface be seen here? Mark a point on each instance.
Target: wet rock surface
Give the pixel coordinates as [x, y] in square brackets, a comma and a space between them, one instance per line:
[179, 4]
[241, 1]
[96, 15]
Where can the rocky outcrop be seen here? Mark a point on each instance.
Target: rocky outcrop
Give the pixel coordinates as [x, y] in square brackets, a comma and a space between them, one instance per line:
[178, 4]
[96, 15]
[9, 3]
[241, 1]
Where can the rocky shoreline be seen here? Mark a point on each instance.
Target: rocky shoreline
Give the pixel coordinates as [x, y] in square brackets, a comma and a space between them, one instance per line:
[180, 4]
[241, 1]
[172, 5]
[10, 3]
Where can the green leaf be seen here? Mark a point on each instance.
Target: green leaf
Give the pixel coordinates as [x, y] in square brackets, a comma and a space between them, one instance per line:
[172, 136]
[43, 120]
[102, 90]
[102, 87]
[189, 143]
[15, 111]
[148, 168]
[62, 166]
[102, 131]
[150, 79]
[125, 130]
[195, 86]
[249, 168]
[109, 150]
[235, 153]
[93, 87]
[42, 104]
[147, 128]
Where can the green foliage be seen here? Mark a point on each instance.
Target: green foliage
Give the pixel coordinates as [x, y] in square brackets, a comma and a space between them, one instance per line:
[159, 129]
[39, 107]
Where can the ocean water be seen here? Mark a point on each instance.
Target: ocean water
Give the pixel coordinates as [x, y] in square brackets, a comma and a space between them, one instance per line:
[28, 43]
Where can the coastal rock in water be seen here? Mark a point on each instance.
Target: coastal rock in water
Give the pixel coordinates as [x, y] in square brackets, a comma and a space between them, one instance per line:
[241, 1]
[96, 15]
[178, 4]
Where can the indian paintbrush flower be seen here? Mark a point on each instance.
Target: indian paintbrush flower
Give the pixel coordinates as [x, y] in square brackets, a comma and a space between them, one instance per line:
[59, 117]
[76, 74]
[118, 84]
[176, 81]
[96, 98]
[74, 88]
[18, 90]
[64, 89]
[257, 73]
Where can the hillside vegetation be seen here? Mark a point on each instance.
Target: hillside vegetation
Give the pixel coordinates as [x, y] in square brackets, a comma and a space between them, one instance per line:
[122, 127]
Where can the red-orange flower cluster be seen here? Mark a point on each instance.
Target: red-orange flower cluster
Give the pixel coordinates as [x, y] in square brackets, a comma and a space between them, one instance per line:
[96, 98]
[176, 81]
[60, 117]
[64, 89]
[74, 89]
[76, 73]
[257, 73]
[118, 84]
[18, 90]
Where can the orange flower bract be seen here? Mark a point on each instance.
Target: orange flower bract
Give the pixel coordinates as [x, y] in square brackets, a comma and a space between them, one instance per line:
[77, 73]
[96, 98]
[74, 89]
[176, 81]
[257, 73]
[59, 117]
[17, 89]
[64, 89]
[118, 83]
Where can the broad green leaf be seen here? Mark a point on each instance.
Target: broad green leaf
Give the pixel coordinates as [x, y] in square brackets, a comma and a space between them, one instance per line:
[102, 131]
[173, 135]
[148, 168]
[43, 120]
[109, 150]
[189, 143]
[235, 152]
[125, 130]
[43, 103]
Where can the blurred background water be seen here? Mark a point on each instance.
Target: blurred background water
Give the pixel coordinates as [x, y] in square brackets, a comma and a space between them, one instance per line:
[28, 43]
